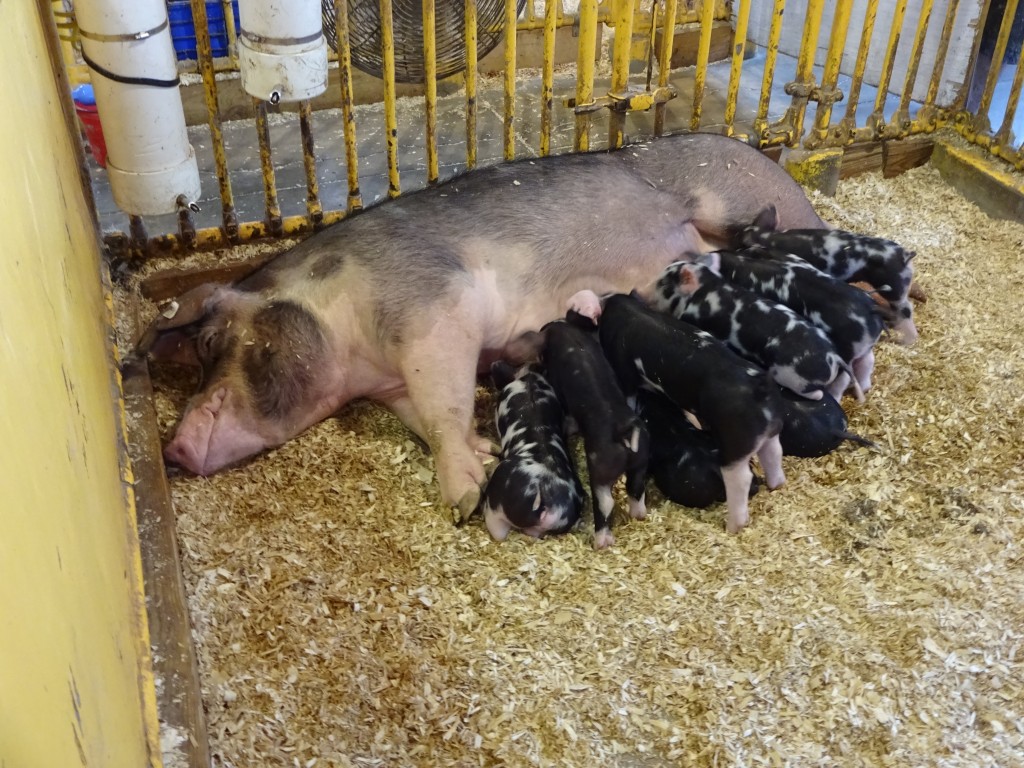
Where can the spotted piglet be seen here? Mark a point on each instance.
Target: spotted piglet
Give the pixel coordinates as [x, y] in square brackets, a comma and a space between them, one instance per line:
[852, 320]
[615, 439]
[882, 264]
[534, 487]
[795, 353]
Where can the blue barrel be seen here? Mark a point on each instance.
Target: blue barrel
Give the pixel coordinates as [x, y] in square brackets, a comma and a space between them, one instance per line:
[183, 30]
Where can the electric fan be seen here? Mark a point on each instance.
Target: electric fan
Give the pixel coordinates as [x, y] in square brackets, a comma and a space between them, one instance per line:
[407, 17]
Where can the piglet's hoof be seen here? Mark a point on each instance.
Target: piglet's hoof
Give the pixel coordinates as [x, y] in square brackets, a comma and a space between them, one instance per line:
[735, 526]
[637, 509]
[603, 539]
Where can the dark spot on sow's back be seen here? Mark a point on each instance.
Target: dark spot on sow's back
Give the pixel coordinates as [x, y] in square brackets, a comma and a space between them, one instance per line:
[327, 265]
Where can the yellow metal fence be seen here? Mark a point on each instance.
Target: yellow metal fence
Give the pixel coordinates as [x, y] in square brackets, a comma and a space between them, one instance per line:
[635, 54]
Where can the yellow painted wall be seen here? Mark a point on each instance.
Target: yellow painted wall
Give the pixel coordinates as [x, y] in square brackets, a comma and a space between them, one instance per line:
[75, 687]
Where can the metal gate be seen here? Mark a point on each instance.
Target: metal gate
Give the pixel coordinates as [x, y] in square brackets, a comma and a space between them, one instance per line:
[799, 74]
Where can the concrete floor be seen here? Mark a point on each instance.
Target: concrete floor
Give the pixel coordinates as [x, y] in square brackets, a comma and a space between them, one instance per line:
[243, 150]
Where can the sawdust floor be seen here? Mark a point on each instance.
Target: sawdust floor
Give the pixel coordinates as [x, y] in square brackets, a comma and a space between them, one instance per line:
[872, 614]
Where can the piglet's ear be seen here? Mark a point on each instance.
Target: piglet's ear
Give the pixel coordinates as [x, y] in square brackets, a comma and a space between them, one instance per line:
[688, 279]
[502, 373]
[768, 218]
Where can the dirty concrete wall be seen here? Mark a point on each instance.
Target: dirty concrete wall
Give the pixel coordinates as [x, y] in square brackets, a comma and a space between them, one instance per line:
[955, 68]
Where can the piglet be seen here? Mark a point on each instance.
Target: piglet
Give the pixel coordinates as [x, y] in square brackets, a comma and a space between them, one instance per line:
[814, 427]
[852, 320]
[795, 353]
[534, 487]
[883, 264]
[732, 400]
[615, 439]
[684, 460]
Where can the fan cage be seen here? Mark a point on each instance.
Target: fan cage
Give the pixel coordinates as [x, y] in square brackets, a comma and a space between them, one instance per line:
[365, 38]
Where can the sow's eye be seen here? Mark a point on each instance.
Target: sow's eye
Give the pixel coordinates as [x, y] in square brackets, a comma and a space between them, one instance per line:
[208, 344]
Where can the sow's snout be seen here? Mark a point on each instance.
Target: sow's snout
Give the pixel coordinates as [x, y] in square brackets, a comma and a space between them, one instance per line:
[211, 436]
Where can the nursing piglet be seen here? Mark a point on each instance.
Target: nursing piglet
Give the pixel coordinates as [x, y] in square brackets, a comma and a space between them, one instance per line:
[883, 264]
[852, 320]
[814, 427]
[615, 439]
[534, 487]
[684, 460]
[795, 353]
[733, 401]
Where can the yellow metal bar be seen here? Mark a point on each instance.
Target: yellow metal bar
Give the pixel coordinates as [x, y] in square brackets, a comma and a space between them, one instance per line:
[273, 207]
[67, 33]
[355, 200]
[707, 16]
[510, 78]
[585, 70]
[622, 12]
[805, 66]
[940, 53]
[901, 120]
[862, 59]
[313, 206]
[1003, 135]
[961, 97]
[829, 78]
[997, 58]
[739, 42]
[471, 65]
[531, 15]
[430, 87]
[227, 201]
[771, 56]
[210, 238]
[387, 33]
[652, 34]
[668, 34]
[547, 75]
[229, 22]
[877, 120]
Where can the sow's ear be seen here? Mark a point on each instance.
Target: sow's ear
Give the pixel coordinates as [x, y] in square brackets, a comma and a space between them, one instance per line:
[167, 337]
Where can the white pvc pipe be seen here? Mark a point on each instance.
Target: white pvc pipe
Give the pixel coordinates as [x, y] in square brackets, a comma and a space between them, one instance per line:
[149, 158]
[282, 52]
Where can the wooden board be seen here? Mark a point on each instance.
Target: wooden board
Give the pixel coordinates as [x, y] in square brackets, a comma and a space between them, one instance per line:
[169, 283]
[687, 37]
[901, 156]
[179, 698]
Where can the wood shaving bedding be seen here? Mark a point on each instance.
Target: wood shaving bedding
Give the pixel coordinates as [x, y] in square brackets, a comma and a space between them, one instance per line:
[870, 615]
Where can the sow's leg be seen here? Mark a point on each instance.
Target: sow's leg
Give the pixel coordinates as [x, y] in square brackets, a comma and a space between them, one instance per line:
[439, 368]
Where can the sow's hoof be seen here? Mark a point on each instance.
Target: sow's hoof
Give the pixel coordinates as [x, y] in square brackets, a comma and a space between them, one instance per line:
[467, 505]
